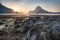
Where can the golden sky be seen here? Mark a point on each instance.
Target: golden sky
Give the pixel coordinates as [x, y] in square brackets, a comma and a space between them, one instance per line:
[27, 5]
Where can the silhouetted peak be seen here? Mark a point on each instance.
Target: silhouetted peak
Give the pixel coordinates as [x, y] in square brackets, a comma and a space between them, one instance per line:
[0, 3]
[4, 9]
[38, 8]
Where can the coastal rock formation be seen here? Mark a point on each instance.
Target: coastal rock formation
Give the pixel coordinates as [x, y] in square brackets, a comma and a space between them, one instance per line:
[40, 29]
[4, 9]
[39, 10]
[32, 28]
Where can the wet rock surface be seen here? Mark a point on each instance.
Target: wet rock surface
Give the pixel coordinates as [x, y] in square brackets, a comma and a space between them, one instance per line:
[32, 28]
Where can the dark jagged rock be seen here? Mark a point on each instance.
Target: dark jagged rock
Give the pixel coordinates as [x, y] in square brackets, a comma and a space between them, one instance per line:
[4, 9]
[41, 29]
[34, 28]
[1, 23]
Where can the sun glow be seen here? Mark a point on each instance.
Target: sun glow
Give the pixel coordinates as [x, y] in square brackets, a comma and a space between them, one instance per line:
[15, 9]
[20, 10]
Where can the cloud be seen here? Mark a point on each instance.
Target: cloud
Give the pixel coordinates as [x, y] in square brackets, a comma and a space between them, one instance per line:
[12, 0]
[9, 0]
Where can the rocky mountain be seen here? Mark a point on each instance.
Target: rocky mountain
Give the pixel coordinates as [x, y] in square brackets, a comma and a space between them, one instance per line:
[39, 10]
[4, 9]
